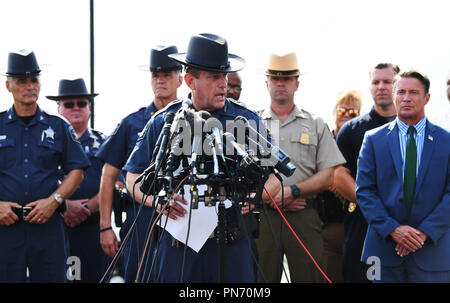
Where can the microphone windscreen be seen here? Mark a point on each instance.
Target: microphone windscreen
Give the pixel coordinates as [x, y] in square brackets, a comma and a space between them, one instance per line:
[204, 114]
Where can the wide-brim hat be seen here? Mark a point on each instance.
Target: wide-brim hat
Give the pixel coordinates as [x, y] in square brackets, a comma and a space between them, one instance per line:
[22, 64]
[209, 52]
[72, 89]
[159, 60]
[282, 65]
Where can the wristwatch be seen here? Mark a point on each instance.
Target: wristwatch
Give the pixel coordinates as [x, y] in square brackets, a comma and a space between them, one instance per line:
[295, 191]
[58, 198]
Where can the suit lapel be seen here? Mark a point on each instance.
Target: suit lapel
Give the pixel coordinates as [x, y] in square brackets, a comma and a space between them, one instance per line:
[428, 147]
[394, 148]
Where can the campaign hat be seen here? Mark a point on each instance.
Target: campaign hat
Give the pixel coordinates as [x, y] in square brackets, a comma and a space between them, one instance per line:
[22, 64]
[209, 52]
[159, 60]
[282, 65]
[71, 89]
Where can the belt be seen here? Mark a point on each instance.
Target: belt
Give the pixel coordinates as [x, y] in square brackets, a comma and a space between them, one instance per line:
[22, 212]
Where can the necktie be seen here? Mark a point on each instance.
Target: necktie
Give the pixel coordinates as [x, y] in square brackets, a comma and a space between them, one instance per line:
[409, 184]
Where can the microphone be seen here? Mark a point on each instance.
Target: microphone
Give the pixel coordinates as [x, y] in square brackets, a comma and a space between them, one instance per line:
[161, 145]
[218, 138]
[214, 126]
[277, 155]
[184, 124]
[197, 140]
[230, 140]
[165, 134]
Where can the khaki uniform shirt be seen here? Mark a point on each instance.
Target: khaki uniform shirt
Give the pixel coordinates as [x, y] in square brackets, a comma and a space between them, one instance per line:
[306, 139]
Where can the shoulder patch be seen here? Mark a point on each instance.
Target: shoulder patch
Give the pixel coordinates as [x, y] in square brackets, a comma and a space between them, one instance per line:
[116, 129]
[99, 134]
[73, 135]
[242, 105]
[144, 132]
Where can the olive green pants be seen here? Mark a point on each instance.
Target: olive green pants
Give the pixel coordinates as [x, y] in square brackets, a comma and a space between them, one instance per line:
[306, 224]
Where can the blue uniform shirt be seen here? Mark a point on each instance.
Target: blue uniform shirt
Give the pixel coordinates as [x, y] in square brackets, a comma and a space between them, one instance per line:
[119, 145]
[171, 257]
[142, 154]
[91, 142]
[30, 155]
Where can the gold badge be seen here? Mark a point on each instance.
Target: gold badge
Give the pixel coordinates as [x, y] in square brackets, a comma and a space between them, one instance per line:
[352, 207]
[304, 138]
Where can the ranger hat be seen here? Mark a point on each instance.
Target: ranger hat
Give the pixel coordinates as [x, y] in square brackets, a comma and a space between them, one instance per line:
[283, 65]
[22, 64]
[209, 52]
[159, 60]
[70, 89]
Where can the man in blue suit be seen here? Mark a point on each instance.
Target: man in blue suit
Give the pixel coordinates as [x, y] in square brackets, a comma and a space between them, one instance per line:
[403, 189]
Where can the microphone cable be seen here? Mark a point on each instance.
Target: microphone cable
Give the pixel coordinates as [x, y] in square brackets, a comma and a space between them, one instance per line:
[298, 239]
[153, 225]
[252, 254]
[280, 253]
[125, 240]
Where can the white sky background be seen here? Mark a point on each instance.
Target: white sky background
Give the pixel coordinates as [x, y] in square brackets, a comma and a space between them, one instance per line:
[336, 42]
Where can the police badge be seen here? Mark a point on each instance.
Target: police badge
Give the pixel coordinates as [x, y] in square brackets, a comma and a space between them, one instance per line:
[48, 135]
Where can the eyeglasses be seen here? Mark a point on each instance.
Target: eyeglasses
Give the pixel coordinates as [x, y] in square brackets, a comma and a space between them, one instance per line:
[352, 113]
[71, 104]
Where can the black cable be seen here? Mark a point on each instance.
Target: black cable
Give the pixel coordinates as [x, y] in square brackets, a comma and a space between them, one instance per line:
[156, 252]
[155, 256]
[148, 237]
[187, 239]
[135, 213]
[254, 259]
[125, 240]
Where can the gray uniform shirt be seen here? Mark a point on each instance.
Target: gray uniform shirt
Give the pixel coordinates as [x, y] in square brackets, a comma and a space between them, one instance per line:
[306, 139]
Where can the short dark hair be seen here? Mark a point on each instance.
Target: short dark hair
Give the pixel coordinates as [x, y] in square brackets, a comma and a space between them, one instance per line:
[386, 65]
[416, 75]
[383, 65]
[193, 71]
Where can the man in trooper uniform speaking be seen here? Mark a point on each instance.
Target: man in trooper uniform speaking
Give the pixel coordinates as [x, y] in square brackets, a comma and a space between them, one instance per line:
[33, 145]
[207, 63]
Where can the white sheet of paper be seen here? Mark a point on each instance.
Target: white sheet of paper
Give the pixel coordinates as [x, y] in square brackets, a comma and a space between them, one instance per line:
[203, 222]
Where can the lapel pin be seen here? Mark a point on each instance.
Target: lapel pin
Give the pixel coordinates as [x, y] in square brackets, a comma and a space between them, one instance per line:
[430, 138]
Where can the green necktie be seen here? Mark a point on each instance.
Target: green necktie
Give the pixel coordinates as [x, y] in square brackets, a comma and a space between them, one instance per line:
[409, 185]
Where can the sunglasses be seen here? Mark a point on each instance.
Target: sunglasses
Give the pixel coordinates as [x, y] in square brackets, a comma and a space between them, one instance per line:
[71, 104]
[352, 113]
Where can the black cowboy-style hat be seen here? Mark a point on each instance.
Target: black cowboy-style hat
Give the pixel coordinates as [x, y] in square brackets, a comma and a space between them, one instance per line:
[69, 89]
[159, 60]
[209, 52]
[22, 64]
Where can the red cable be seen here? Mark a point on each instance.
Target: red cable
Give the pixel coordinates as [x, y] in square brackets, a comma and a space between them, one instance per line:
[298, 239]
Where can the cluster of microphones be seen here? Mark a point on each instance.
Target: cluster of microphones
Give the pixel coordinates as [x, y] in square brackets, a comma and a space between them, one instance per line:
[193, 145]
